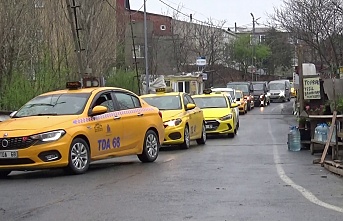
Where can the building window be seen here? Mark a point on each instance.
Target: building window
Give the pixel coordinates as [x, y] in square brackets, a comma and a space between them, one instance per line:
[262, 38]
[39, 3]
[139, 51]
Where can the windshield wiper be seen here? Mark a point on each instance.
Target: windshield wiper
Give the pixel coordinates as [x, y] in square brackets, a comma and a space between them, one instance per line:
[46, 104]
[46, 114]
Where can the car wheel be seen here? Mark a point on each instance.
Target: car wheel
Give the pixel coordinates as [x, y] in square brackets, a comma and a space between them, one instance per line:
[79, 157]
[186, 139]
[202, 139]
[4, 173]
[151, 147]
[231, 135]
[237, 125]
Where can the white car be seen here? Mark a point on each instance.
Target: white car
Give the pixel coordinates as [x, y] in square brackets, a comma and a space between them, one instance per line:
[232, 97]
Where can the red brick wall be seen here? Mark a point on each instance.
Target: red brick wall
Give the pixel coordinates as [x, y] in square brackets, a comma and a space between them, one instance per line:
[157, 20]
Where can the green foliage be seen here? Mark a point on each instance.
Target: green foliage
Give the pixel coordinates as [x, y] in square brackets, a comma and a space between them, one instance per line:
[20, 86]
[242, 51]
[281, 51]
[123, 79]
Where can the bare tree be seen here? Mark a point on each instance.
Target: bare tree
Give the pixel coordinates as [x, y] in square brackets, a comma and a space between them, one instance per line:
[318, 24]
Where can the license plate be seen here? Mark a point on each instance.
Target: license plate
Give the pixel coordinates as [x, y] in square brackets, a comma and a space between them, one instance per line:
[8, 154]
[208, 126]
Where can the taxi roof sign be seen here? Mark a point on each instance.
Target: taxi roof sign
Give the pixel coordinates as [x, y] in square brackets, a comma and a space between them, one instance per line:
[73, 85]
[160, 90]
[207, 91]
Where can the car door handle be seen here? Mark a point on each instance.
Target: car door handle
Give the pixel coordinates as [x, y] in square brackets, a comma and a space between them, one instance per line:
[140, 114]
[116, 117]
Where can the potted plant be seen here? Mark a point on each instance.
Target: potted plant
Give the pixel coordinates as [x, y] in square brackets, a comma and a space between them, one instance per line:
[301, 122]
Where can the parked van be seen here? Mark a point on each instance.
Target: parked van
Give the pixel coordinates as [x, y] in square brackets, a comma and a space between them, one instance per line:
[280, 90]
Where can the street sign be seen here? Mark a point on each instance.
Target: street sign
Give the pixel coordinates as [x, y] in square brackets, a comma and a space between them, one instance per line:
[201, 61]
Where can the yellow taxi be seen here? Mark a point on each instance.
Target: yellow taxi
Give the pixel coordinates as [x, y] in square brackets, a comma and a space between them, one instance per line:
[183, 120]
[219, 117]
[72, 127]
[293, 90]
[243, 107]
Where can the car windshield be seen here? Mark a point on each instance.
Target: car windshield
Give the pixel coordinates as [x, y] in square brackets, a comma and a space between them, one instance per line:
[170, 102]
[258, 87]
[210, 102]
[242, 87]
[55, 104]
[276, 86]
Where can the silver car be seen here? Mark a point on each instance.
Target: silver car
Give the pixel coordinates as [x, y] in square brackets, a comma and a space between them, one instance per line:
[280, 90]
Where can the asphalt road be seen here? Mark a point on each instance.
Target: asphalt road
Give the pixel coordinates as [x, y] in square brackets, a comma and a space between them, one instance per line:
[250, 177]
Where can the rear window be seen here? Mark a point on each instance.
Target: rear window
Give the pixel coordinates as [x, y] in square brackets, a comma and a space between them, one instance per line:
[210, 102]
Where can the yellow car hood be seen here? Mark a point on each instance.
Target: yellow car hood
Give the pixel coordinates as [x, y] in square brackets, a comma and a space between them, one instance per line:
[171, 114]
[216, 112]
[34, 124]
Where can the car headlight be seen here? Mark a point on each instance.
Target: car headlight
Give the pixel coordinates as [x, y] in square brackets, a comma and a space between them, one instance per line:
[268, 93]
[282, 94]
[173, 123]
[226, 117]
[48, 136]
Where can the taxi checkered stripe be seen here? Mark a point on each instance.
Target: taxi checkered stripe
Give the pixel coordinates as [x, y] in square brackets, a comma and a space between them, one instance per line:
[112, 114]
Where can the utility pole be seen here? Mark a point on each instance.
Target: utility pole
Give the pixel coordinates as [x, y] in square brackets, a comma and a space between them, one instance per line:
[253, 47]
[135, 55]
[301, 78]
[75, 29]
[147, 78]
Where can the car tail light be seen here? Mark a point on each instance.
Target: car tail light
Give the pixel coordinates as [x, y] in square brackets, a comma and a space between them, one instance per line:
[262, 97]
[160, 113]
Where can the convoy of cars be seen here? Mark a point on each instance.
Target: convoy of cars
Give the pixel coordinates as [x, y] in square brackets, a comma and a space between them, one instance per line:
[71, 128]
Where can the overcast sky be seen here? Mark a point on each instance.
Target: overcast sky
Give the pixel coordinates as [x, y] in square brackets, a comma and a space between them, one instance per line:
[229, 10]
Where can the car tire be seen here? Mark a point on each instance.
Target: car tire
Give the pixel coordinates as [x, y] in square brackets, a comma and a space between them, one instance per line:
[186, 139]
[202, 139]
[248, 106]
[151, 147]
[4, 173]
[79, 157]
[231, 135]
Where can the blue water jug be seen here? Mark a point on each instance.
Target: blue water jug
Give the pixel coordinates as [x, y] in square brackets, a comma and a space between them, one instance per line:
[294, 140]
[323, 130]
[317, 134]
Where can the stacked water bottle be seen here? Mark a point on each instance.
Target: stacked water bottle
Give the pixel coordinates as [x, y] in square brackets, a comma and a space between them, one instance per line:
[294, 139]
[321, 133]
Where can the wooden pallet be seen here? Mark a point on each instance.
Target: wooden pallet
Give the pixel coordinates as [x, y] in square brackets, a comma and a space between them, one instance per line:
[334, 167]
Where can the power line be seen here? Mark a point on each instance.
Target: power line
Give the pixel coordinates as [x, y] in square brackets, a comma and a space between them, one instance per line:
[184, 14]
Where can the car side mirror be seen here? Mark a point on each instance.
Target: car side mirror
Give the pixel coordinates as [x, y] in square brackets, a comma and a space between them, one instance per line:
[287, 88]
[190, 106]
[233, 105]
[98, 110]
[13, 113]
